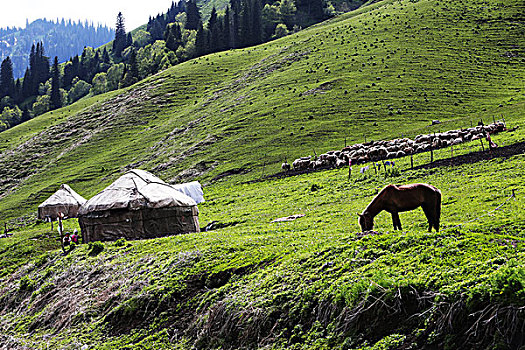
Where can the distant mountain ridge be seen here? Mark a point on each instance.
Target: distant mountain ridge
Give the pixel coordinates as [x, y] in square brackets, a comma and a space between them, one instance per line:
[64, 38]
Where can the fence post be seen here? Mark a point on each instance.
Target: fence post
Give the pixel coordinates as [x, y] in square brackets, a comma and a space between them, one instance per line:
[432, 149]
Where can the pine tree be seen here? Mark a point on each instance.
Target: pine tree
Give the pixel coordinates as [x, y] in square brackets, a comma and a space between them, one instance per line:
[245, 25]
[71, 70]
[26, 85]
[256, 35]
[201, 44]
[56, 101]
[310, 11]
[18, 91]
[119, 44]
[105, 56]
[131, 75]
[38, 68]
[129, 40]
[7, 82]
[235, 6]
[173, 37]
[226, 29]
[213, 29]
[193, 16]
[156, 31]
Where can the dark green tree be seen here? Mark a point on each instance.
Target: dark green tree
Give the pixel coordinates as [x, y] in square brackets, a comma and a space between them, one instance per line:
[18, 91]
[245, 30]
[201, 42]
[56, 101]
[309, 12]
[129, 40]
[38, 70]
[105, 56]
[213, 29]
[193, 16]
[7, 82]
[235, 6]
[26, 85]
[226, 29]
[256, 22]
[131, 75]
[42, 72]
[119, 44]
[173, 37]
[71, 70]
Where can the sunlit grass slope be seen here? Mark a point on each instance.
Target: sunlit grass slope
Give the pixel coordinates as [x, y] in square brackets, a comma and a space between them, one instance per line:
[311, 283]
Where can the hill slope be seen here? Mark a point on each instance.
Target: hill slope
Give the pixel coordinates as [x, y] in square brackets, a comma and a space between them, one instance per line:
[313, 282]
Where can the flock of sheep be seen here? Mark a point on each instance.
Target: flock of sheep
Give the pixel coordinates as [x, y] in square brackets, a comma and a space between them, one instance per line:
[381, 150]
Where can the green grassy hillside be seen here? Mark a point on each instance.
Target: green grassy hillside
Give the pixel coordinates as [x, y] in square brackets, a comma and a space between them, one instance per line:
[384, 71]
[308, 283]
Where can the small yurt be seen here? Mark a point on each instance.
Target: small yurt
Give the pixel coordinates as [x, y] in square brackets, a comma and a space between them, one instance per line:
[65, 201]
[137, 205]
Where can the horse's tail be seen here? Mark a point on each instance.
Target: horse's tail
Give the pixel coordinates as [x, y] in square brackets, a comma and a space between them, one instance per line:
[437, 210]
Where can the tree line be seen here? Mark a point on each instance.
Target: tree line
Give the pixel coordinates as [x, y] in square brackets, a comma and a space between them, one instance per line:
[62, 38]
[176, 36]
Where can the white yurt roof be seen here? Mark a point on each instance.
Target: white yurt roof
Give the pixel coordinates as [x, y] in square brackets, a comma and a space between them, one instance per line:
[137, 189]
[64, 196]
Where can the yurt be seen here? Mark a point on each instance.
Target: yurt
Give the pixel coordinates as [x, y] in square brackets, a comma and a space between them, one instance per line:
[137, 205]
[65, 201]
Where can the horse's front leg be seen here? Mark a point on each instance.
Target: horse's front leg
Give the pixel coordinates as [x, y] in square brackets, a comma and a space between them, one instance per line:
[396, 221]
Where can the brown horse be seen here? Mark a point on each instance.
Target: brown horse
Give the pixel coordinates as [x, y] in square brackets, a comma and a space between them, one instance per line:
[395, 199]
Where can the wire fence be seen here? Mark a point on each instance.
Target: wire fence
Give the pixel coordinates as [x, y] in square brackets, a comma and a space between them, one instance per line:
[511, 196]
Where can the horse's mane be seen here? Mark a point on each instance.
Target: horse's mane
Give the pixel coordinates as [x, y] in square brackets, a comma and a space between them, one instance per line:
[377, 198]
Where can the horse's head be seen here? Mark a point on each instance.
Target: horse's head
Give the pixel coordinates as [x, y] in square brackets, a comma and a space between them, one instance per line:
[366, 222]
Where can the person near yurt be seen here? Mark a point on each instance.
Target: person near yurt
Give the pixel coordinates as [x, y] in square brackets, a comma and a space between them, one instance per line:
[65, 201]
[137, 205]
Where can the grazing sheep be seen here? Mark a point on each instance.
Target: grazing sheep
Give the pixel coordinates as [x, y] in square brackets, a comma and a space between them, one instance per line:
[363, 159]
[390, 155]
[331, 159]
[396, 148]
[300, 164]
[373, 152]
[340, 163]
[408, 150]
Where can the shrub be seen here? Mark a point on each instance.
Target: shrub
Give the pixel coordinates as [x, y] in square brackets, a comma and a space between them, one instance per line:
[95, 248]
[120, 242]
[26, 284]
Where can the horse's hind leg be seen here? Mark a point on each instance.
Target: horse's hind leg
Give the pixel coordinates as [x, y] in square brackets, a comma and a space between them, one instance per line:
[430, 218]
[395, 221]
[437, 211]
